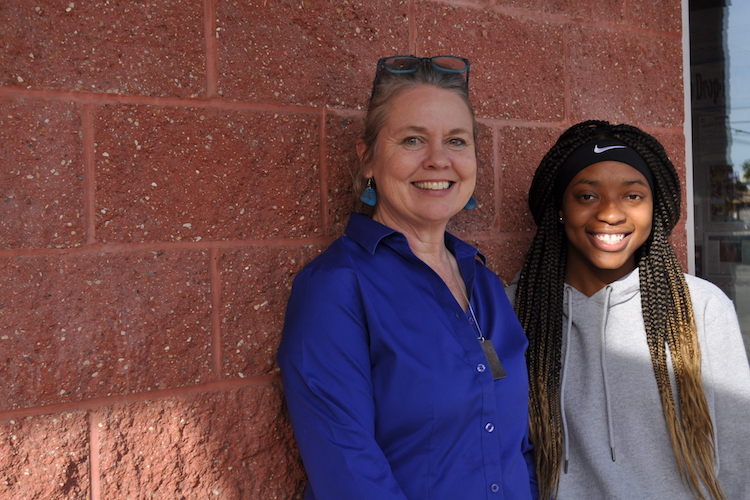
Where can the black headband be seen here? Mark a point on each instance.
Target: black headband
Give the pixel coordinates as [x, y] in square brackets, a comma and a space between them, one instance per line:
[594, 152]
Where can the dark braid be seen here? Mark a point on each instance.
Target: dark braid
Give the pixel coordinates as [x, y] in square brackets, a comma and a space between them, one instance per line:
[665, 301]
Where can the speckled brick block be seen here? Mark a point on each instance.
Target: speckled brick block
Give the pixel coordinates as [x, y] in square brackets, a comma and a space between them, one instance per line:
[659, 16]
[604, 11]
[521, 150]
[41, 177]
[45, 457]
[342, 164]
[679, 240]
[93, 325]
[231, 445]
[167, 168]
[181, 174]
[154, 48]
[674, 144]
[505, 254]
[624, 76]
[256, 283]
[516, 63]
[316, 52]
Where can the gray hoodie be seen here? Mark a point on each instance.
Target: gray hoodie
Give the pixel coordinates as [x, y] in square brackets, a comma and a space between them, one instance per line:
[615, 437]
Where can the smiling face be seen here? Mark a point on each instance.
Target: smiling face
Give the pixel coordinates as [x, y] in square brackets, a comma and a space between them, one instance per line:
[607, 210]
[424, 162]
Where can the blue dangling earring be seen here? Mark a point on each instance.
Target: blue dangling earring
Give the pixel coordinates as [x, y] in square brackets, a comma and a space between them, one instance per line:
[369, 196]
[471, 204]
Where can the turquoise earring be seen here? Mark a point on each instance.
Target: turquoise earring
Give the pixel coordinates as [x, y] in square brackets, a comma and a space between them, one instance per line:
[369, 196]
[471, 204]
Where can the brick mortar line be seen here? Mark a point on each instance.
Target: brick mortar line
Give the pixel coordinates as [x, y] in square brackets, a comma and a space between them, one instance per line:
[497, 175]
[89, 174]
[94, 455]
[218, 103]
[145, 247]
[532, 15]
[138, 397]
[223, 104]
[567, 104]
[212, 59]
[216, 346]
[323, 172]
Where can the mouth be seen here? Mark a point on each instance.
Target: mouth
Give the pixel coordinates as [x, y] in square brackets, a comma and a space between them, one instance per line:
[433, 185]
[610, 239]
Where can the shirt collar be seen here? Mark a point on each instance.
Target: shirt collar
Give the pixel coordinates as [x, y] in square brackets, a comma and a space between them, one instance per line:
[369, 233]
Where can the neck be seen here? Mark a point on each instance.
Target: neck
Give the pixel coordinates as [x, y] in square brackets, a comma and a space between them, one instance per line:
[588, 283]
[426, 241]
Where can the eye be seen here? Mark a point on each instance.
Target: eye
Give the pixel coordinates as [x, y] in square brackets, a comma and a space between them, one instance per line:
[586, 196]
[411, 142]
[634, 197]
[457, 142]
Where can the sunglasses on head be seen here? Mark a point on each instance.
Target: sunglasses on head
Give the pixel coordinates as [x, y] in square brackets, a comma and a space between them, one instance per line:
[411, 64]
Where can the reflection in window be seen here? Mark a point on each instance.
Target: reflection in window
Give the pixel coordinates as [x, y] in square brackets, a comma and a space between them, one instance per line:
[720, 101]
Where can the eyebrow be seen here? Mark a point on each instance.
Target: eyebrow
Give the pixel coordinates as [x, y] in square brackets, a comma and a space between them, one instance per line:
[423, 130]
[625, 183]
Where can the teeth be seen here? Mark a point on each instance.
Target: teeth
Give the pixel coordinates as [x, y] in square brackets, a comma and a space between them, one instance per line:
[435, 186]
[610, 239]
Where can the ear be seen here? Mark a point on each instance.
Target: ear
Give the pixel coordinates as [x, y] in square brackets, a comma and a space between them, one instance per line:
[560, 216]
[361, 149]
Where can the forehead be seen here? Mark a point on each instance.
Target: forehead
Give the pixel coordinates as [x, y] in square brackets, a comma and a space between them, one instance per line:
[426, 104]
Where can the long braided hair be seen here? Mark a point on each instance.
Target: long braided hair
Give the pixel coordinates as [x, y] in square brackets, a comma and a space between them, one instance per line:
[665, 301]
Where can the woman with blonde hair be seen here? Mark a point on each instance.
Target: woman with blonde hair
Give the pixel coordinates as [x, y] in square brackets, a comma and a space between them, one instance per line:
[402, 359]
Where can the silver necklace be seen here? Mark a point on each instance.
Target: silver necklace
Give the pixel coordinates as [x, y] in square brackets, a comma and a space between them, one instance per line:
[496, 367]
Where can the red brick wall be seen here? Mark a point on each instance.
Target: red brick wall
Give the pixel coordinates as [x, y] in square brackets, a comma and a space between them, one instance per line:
[167, 166]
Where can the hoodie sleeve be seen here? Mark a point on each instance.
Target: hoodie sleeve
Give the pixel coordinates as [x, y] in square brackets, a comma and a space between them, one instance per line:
[727, 386]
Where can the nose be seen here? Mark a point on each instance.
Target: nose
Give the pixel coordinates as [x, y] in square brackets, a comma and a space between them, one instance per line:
[611, 212]
[437, 156]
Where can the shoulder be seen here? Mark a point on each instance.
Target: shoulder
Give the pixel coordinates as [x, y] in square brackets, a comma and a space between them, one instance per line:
[334, 267]
[336, 256]
[703, 293]
[714, 314]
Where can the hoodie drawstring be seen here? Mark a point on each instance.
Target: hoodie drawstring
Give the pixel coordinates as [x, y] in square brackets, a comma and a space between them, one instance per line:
[610, 424]
[566, 354]
[566, 447]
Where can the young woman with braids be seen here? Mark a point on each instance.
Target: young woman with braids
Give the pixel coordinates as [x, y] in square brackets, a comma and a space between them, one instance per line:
[639, 382]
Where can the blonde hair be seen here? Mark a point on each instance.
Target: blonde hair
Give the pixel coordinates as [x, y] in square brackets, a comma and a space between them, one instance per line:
[389, 87]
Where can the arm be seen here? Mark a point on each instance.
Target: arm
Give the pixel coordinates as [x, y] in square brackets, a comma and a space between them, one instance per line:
[730, 381]
[325, 361]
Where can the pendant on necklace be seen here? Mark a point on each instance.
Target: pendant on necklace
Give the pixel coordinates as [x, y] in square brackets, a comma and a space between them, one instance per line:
[496, 367]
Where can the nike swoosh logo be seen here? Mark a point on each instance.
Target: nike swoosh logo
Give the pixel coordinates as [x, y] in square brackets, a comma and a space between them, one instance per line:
[598, 150]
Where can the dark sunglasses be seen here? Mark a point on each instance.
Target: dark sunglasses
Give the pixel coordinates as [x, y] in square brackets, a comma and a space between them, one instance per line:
[411, 64]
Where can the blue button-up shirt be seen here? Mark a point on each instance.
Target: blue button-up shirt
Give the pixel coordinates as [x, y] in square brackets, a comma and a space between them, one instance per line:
[390, 393]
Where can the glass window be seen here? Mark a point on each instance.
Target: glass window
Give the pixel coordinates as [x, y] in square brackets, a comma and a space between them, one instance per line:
[720, 100]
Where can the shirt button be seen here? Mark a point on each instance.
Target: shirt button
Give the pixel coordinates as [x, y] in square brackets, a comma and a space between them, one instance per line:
[495, 488]
[481, 368]
[471, 320]
[489, 427]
